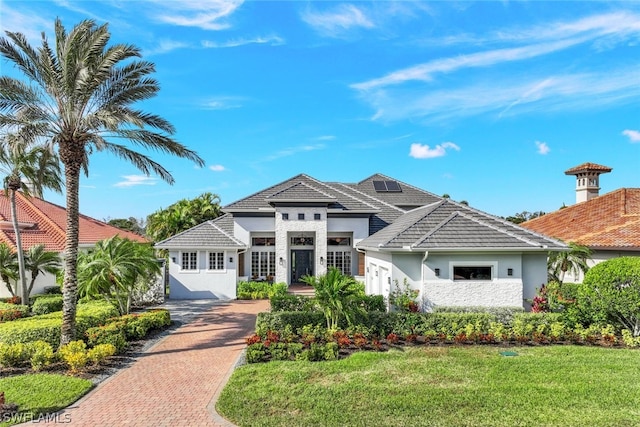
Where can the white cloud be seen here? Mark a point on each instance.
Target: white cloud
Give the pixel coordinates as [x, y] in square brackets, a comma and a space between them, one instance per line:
[419, 151]
[543, 148]
[272, 40]
[325, 138]
[132, 180]
[30, 24]
[339, 20]
[217, 168]
[207, 15]
[223, 103]
[166, 46]
[294, 150]
[633, 135]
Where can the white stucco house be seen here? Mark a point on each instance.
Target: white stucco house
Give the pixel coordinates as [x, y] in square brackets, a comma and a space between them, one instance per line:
[379, 230]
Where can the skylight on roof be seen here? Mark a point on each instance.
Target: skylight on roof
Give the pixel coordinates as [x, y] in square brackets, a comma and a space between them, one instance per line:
[387, 187]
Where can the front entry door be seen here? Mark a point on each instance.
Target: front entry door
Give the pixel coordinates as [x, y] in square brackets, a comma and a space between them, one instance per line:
[301, 264]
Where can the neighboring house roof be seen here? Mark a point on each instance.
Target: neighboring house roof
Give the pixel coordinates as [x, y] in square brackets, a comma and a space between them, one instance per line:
[216, 233]
[610, 221]
[42, 222]
[449, 226]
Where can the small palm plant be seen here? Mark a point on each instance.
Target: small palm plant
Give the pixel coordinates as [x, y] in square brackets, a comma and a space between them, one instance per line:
[574, 261]
[335, 294]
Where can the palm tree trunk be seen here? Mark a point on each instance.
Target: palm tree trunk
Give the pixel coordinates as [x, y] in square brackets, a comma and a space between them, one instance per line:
[16, 230]
[70, 283]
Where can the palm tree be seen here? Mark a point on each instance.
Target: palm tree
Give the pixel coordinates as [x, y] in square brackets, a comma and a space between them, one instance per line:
[8, 267]
[182, 215]
[79, 97]
[38, 260]
[334, 293]
[574, 261]
[30, 168]
[114, 269]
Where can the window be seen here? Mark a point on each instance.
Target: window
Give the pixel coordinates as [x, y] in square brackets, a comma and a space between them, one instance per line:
[340, 260]
[317, 217]
[339, 241]
[263, 241]
[302, 241]
[301, 216]
[285, 216]
[472, 273]
[216, 260]
[263, 264]
[189, 260]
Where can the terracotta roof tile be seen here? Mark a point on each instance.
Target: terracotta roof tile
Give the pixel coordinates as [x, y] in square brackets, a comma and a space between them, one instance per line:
[588, 166]
[45, 223]
[609, 221]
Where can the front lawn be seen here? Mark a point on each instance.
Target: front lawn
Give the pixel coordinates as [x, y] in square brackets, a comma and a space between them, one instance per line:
[442, 386]
[38, 394]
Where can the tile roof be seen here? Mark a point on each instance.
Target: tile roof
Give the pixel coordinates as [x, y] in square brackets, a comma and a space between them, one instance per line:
[45, 223]
[588, 167]
[300, 192]
[260, 200]
[608, 221]
[447, 225]
[216, 233]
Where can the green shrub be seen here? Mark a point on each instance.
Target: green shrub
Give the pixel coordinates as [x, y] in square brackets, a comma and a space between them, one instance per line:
[10, 312]
[502, 314]
[41, 354]
[288, 302]
[47, 304]
[107, 334]
[260, 290]
[295, 319]
[256, 353]
[524, 325]
[610, 293]
[370, 303]
[46, 327]
[13, 355]
[74, 355]
[100, 352]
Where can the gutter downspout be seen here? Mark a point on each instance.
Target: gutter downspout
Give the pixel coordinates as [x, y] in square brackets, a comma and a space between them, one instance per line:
[422, 265]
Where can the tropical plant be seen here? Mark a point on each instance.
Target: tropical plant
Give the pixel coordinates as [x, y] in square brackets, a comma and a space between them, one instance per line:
[29, 168]
[573, 261]
[182, 215]
[38, 260]
[335, 294]
[8, 267]
[130, 224]
[114, 269]
[79, 94]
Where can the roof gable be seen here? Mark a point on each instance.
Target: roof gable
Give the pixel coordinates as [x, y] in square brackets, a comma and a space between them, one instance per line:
[214, 234]
[300, 192]
[447, 225]
[608, 221]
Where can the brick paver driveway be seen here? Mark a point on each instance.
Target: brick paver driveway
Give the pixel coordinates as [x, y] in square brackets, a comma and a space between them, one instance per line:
[175, 382]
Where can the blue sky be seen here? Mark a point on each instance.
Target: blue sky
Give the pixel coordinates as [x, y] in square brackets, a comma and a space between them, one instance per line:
[489, 102]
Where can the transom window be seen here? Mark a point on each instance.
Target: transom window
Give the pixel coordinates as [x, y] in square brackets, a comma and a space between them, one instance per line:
[263, 241]
[302, 241]
[216, 260]
[189, 261]
[472, 273]
[301, 216]
[338, 241]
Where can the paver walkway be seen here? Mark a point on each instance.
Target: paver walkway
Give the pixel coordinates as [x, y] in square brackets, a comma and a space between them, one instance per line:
[175, 382]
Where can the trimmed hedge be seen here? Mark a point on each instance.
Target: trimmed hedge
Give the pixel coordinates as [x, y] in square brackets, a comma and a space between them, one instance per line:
[46, 327]
[260, 290]
[10, 312]
[45, 304]
[502, 314]
[289, 302]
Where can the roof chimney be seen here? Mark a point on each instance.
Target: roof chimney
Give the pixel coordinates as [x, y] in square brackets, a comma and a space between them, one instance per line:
[587, 180]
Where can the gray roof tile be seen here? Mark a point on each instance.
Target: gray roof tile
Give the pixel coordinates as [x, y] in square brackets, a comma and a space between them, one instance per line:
[214, 234]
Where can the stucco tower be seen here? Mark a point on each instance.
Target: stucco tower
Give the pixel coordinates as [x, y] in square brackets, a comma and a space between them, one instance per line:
[587, 180]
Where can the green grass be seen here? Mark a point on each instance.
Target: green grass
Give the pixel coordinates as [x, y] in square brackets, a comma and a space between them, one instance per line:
[41, 393]
[442, 386]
